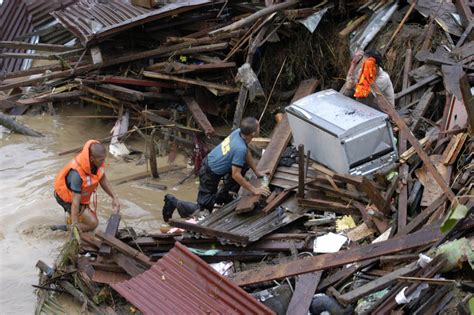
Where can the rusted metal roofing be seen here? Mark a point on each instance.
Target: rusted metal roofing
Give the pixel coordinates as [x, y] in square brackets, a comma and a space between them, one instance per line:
[182, 283]
[14, 21]
[93, 20]
[40, 9]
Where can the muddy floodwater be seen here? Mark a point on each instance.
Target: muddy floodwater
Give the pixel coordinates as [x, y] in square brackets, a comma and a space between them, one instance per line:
[27, 207]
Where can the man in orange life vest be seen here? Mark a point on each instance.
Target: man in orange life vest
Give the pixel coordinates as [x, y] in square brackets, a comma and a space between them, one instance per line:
[78, 180]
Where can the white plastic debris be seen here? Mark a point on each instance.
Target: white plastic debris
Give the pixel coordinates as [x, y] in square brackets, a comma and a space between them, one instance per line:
[312, 21]
[329, 243]
[423, 260]
[401, 298]
[225, 268]
[118, 149]
[249, 79]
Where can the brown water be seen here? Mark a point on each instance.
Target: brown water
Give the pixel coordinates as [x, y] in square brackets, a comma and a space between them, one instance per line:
[27, 207]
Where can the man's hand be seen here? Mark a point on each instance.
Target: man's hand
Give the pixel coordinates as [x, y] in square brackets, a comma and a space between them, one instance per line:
[116, 204]
[262, 190]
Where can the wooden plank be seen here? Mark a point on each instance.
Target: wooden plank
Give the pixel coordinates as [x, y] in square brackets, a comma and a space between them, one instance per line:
[40, 47]
[145, 174]
[419, 84]
[199, 116]
[276, 201]
[420, 109]
[124, 248]
[122, 92]
[111, 229]
[301, 173]
[422, 216]
[305, 288]
[343, 274]
[280, 138]
[180, 68]
[212, 85]
[386, 106]
[369, 187]
[467, 98]
[376, 285]
[49, 98]
[208, 231]
[353, 25]
[129, 264]
[424, 237]
[324, 205]
[453, 149]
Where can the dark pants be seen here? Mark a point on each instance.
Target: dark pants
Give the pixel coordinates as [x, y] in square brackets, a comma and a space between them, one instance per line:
[209, 193]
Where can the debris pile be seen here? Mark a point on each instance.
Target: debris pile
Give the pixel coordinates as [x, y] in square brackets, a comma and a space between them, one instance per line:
[398, 240]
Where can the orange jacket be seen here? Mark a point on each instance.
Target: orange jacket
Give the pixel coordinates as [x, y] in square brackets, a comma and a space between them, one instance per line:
[367, 77]
[80, 163]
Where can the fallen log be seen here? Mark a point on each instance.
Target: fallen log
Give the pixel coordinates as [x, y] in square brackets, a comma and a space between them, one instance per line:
[15, 126]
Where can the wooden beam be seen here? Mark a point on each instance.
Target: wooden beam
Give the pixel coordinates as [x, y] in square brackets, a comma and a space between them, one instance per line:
[424, 237]
[255, 16]
[124, 248]
[40, 47]
[111, 229]
[369, 187]
[301, 177]
[199, 116]
[324, 205]
[467, 98]
[377, 284]
[212, 85]
[305, 288]
[421, 83]
[142, 175]
[353, 25]
[122, 92]
[208, 231]
[388, 108]
[420, 109]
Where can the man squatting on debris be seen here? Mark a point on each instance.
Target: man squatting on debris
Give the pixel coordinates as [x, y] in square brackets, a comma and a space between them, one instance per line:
[371, 71]
[78, 180]
[228, 161]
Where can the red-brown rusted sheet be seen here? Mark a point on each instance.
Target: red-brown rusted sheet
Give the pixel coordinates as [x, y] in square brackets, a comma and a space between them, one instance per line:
[182, 283]
[93, 20]
[14, 21]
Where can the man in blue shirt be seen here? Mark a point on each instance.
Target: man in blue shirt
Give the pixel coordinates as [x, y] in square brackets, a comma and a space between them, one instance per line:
[227, 161]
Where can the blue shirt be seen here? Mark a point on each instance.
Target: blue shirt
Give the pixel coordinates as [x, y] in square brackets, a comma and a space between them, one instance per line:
[231, 151]
[74, 180]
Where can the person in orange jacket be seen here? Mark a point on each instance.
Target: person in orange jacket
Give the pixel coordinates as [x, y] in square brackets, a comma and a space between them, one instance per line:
[78, 181]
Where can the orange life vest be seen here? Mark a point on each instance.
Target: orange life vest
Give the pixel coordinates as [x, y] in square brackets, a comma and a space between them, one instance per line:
[367, 76]
[80, 163]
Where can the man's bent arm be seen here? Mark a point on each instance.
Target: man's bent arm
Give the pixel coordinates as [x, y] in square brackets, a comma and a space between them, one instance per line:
[237, 176]
[251, 163]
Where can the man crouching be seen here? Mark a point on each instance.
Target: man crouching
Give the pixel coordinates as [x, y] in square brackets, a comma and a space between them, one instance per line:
[228, 161]
[78, 180]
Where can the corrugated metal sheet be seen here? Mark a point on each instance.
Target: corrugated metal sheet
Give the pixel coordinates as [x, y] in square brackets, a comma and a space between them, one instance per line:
[241, 229]
[182, 283]
[40, 10]
[43, 21]
[93, 20]
[14, 21]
